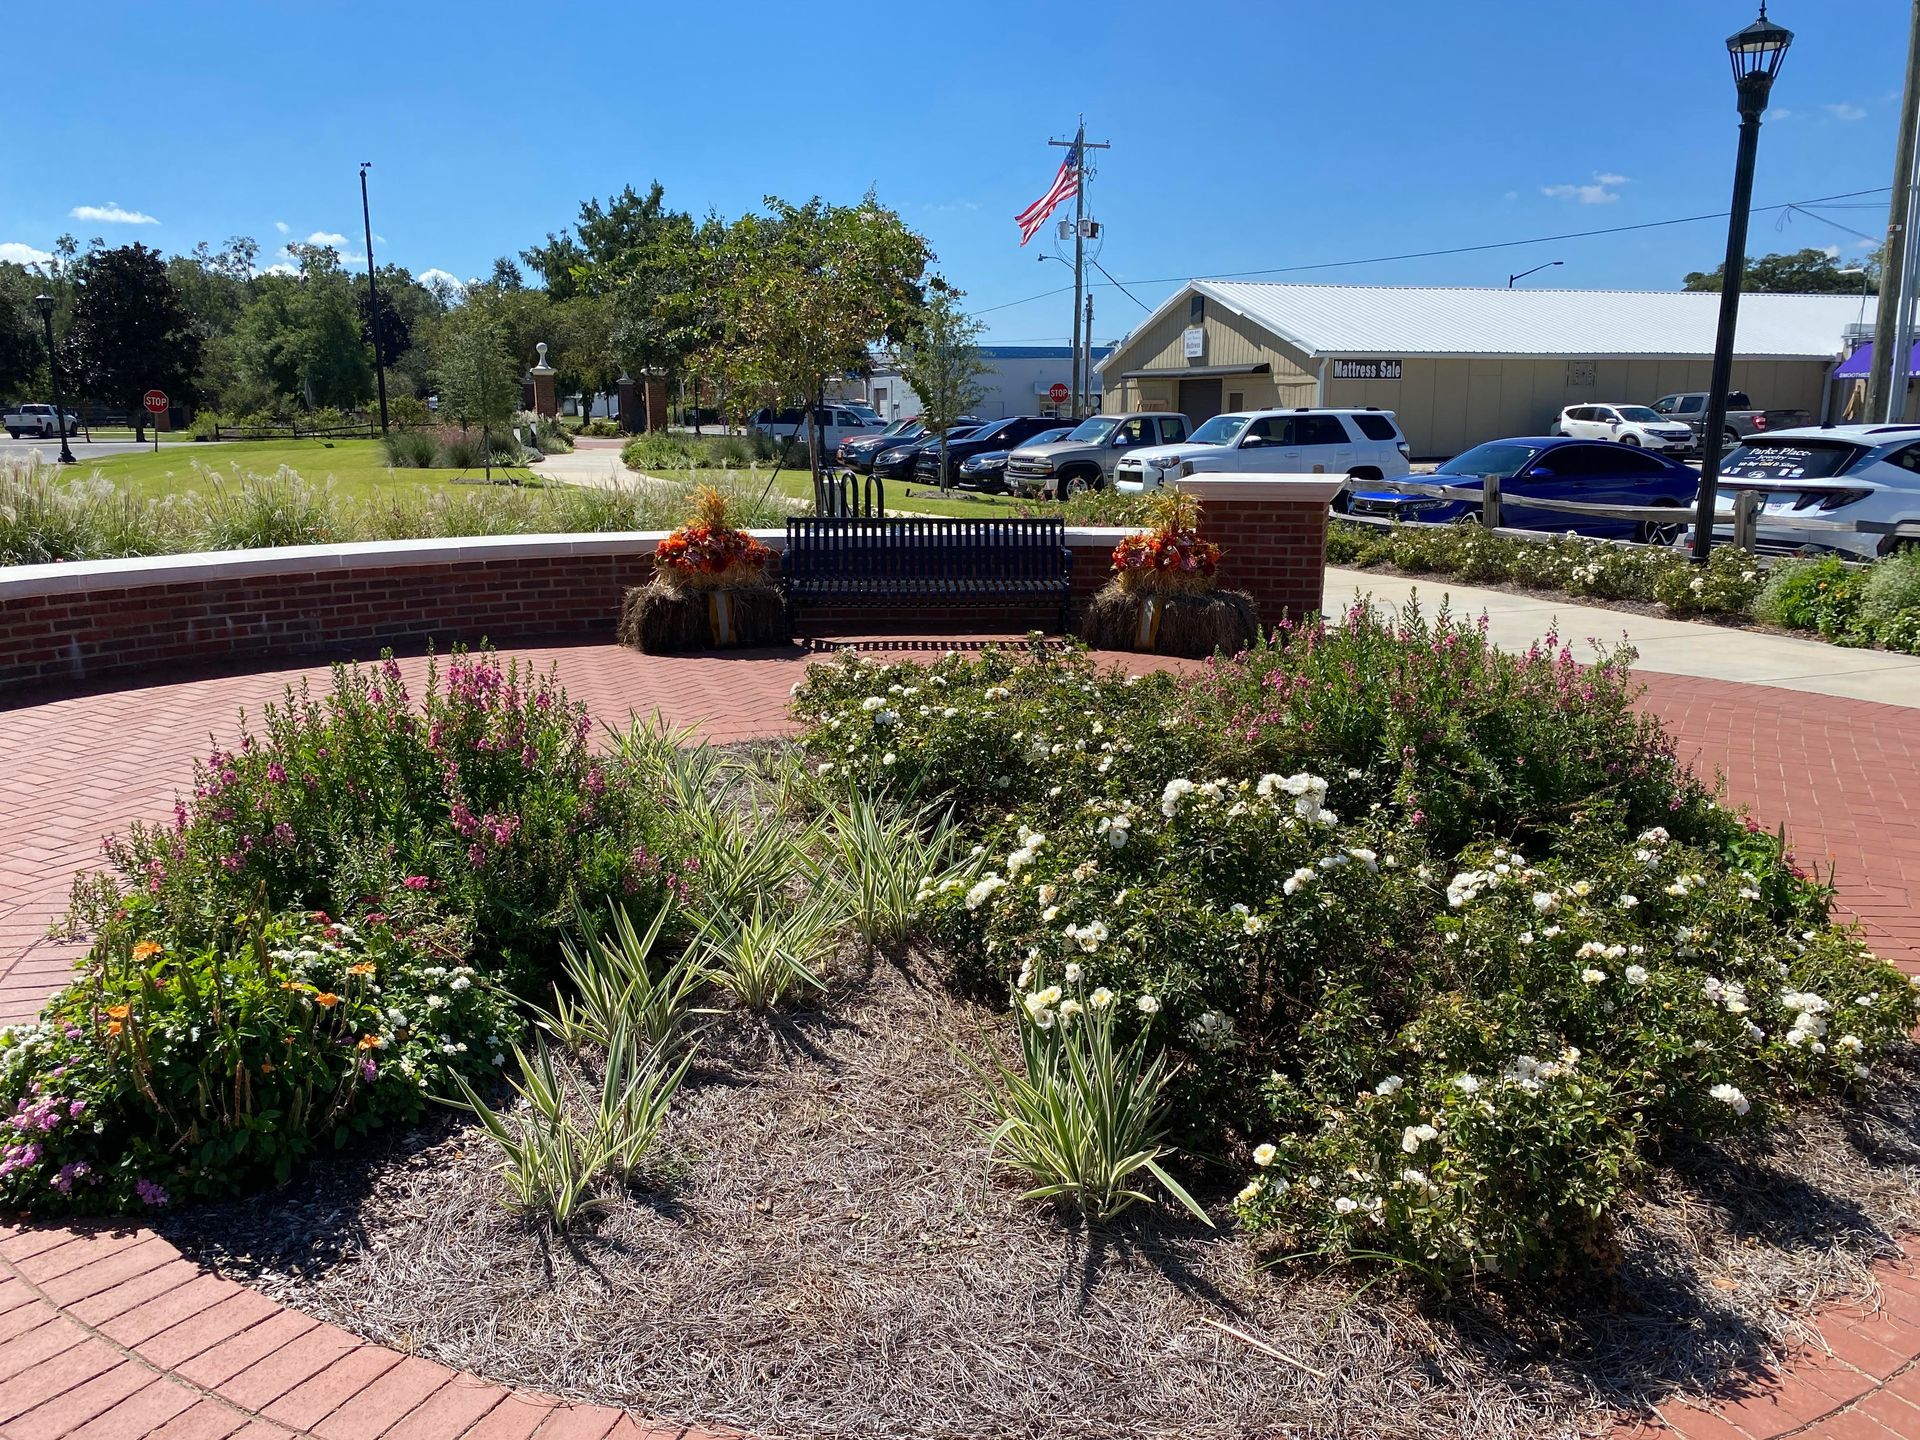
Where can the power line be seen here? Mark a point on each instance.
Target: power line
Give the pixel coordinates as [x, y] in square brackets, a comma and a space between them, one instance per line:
[1458, 249]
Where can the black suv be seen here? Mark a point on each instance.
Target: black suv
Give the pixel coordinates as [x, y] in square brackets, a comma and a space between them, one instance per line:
[992, 435]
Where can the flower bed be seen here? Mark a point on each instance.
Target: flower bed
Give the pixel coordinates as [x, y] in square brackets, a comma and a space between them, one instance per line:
[333, 926]
[1447, 948]
[1849, 604]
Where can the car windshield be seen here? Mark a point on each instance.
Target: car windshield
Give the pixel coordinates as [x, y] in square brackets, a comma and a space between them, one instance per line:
[1637, 412]
[960, 432]
[899, 427]
[1047, 437]
[1789, 459]
[1092, 432]
[998, 427]
[1220, 430]
[1496, 457]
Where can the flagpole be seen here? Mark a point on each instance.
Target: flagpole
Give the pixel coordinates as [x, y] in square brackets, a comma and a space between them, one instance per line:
[1079, 159]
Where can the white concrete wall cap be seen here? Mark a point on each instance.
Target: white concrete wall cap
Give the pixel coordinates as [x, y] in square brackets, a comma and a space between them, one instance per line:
[1259, 485]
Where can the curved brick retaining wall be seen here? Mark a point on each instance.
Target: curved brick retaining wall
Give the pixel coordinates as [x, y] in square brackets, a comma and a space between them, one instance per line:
[99, 618]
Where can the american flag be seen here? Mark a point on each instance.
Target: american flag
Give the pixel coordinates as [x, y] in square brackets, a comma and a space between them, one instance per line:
[1065, 186]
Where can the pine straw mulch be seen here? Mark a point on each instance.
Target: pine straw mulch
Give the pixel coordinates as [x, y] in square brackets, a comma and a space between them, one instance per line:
[824, 1253]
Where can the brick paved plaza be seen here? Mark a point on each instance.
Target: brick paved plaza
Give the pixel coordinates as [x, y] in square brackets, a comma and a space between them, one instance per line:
[108, 1332]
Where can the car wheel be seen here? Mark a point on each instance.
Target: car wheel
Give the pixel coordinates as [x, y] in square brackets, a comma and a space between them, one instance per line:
[13, 434]
[1080, 482]
[1730, 437]
[1633, 440]
[1665, 534]
[1555, 431]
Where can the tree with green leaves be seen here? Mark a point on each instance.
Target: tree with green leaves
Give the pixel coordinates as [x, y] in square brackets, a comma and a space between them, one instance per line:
[1803, 272]
[300, 336]
[941, 359]
[477, 374]
[23, 353]
[803, 291]
[130, 331]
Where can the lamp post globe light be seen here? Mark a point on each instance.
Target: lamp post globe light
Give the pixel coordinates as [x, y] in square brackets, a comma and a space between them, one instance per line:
[1756, 53]
[45, 304]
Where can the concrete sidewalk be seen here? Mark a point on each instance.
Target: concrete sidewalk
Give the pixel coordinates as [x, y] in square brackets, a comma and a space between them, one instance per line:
[1666, 645]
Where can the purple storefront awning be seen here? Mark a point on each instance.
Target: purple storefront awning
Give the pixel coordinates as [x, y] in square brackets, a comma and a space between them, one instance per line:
[1860, 363]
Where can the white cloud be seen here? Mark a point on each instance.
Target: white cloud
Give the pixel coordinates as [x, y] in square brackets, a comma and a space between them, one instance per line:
[1832, 252]
[1778, 112]
[21, 254]
[436, 275]
[111, 214]
[1602, 191]
[281, 267]
[327, 237]
[283, 227]
[1845, 111]
[1513, 194]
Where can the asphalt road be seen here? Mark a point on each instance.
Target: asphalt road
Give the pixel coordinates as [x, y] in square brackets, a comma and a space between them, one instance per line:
[49, 449]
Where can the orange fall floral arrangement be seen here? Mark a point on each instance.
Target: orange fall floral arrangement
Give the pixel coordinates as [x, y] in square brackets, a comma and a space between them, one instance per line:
[707, 553]
[1171, 556]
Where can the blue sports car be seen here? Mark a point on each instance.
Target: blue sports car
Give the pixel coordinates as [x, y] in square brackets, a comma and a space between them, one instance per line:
[1594, 472]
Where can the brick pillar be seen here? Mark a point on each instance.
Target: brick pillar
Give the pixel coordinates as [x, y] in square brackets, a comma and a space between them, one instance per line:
[1272, 534]
[544, 402]
[631, 420]
[656, 403]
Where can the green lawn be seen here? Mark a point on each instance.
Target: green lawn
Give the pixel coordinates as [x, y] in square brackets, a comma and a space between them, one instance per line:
[904, 497]
[356, 468]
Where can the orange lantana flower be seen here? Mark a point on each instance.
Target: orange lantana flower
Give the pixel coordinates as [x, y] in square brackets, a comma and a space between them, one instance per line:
[119, 1012]
[363, 968]
[371, 1042]
[146, 950]
[326, 999]
[114, 1027]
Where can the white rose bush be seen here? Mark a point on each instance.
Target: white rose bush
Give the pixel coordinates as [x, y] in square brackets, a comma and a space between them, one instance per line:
[1438, 948]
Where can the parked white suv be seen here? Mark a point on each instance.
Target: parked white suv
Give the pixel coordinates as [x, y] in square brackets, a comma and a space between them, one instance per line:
[1825, 472]
[1629, 424]
[1366, 444]
[835, 421]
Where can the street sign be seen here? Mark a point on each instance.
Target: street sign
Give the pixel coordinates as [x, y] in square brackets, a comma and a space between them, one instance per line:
[1057, 393]
[155, 401]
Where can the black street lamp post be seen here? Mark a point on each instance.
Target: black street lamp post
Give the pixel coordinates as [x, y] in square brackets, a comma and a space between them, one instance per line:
[373, 299]
[1756, 53]
[1535, 271]
[45, 302]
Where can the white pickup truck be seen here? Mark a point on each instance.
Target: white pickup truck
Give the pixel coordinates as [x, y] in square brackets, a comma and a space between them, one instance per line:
[1366, 444]
[37, 420]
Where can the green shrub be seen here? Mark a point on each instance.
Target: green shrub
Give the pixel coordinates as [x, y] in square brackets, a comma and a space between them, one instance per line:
[1822, 594]
[281, 509]
[602, 428]
[206, 424]
[484, 796]
[550, 436]
[1891, 588]
[1900, 631]
[409, 449]
[409, 412]
[1380, 860]
[175, 1068]
[460, 449]
[1726, 585]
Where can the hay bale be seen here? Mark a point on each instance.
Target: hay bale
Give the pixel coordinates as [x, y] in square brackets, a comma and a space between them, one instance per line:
[1193, 625]
[661, 619]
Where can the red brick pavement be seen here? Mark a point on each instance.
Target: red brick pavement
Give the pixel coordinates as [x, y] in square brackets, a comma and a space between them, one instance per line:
[111, 1334]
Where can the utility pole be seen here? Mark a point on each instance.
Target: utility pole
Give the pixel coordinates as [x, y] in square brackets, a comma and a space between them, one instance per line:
[1087, 349]
[1893, 271]
[373, 293]
[1078, 159]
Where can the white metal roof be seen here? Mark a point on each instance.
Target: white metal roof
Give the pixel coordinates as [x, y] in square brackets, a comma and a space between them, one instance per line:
[1414, 320]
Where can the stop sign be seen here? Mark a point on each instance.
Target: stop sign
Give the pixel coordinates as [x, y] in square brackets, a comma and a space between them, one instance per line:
[1058, 393]
[155, 401]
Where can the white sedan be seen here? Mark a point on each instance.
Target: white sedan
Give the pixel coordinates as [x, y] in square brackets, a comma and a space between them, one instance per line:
[1825, 473]
[1628, 424]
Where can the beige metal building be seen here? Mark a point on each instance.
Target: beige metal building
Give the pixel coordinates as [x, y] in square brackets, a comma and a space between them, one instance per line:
[1459, 366]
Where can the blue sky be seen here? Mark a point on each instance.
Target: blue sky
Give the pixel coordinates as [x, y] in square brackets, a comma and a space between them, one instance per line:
[1250, 137]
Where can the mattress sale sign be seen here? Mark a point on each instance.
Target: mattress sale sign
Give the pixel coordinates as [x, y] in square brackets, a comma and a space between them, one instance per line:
[1366, 369]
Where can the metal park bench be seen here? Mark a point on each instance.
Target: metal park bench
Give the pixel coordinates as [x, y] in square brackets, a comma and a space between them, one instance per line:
[907, 562]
